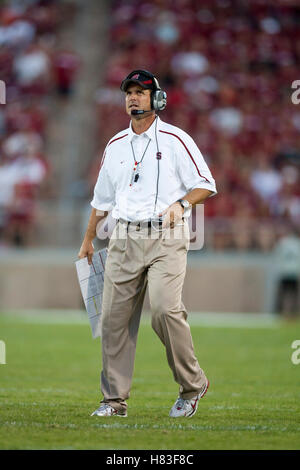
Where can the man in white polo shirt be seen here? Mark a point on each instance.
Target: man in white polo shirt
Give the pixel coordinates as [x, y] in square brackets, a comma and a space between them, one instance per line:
[150, 176]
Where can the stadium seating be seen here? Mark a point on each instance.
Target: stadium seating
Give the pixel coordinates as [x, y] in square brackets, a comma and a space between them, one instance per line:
[33, 70]
[228, 67]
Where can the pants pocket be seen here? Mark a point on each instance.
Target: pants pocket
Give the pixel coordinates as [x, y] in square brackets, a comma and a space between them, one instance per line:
[178, 235]
[118, 239]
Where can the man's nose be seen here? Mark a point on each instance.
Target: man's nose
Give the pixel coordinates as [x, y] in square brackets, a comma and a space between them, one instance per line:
[134, 95]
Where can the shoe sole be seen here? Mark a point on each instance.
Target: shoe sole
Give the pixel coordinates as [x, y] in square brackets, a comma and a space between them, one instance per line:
[109, 416]
[196, 407]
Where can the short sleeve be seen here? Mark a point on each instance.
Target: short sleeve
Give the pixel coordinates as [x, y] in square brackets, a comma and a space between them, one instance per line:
[192, 168]
[104, 192]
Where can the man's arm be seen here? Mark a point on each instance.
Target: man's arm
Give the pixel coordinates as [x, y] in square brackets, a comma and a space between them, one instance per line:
[174, 213]
[87, 247]
[197, 196]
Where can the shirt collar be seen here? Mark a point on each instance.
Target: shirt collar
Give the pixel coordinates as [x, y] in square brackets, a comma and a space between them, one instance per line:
[150, 132]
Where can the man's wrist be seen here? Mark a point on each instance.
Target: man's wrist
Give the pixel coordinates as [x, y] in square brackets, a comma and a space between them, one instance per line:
[184, 203]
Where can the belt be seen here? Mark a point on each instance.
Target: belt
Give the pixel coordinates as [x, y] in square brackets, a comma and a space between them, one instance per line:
[141, 224]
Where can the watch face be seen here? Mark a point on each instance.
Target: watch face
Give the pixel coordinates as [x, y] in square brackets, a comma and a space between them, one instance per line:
[185, 203]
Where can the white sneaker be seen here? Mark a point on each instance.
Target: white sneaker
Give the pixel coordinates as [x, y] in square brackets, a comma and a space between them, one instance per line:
[187, 408]
[106, 410]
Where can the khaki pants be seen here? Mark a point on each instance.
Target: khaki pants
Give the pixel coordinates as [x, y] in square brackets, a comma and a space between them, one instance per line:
[136, 258]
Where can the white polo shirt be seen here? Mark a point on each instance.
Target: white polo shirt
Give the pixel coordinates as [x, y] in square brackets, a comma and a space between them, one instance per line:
[180, 169]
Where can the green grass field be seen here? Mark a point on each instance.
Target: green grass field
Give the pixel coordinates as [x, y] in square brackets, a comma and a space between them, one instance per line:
[50, 385]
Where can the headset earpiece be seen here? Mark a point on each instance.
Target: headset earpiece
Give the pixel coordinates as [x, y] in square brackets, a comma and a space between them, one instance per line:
[158, 97]
[158, 100]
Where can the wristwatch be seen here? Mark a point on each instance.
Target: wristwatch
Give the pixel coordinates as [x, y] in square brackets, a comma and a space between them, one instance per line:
[184, 203]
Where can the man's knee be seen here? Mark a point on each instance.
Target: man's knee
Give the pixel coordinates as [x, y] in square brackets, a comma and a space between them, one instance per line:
[158, 320]
[159, 305]
[162, 313]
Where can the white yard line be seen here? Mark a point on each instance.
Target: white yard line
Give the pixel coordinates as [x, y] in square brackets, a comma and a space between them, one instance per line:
[203, 319]
[174, 427]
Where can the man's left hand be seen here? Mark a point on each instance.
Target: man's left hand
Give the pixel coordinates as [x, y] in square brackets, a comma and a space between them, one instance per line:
[173, 215]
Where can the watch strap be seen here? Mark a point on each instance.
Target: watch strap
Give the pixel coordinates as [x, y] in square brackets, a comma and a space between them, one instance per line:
[181, 202]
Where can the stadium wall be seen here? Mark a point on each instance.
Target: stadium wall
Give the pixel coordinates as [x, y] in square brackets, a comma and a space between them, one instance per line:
[231, 282]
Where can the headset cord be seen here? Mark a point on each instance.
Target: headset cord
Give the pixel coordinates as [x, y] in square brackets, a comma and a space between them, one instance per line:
[158, 156]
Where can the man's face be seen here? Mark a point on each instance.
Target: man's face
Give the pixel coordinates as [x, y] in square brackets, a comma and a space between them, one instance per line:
[137, 98]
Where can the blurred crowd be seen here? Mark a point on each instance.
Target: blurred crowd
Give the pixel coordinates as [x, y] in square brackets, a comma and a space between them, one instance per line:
[228, 68]
[32, 70]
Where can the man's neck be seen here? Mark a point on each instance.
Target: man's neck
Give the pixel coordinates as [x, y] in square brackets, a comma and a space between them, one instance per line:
[140, 125]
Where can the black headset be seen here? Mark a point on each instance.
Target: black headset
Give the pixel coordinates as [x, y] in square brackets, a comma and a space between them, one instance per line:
[158, 98]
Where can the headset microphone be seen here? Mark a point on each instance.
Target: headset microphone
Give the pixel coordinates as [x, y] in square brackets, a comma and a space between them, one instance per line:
[136, 112]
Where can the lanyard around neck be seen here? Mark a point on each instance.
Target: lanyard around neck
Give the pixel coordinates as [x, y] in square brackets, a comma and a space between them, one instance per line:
[133, 154]
[135, 175]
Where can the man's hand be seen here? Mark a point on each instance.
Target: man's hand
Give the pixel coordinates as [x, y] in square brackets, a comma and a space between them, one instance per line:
[86, 249]
[173, 215]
